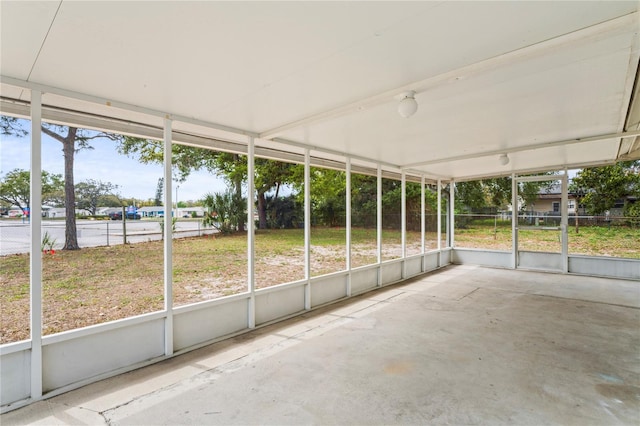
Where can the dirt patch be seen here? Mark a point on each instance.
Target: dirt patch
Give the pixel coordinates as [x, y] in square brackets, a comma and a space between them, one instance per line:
[100, 284]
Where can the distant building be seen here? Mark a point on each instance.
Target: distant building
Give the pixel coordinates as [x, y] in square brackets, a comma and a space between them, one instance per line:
[151, 211]
[60, 212]
[191, 211]
[549, 201]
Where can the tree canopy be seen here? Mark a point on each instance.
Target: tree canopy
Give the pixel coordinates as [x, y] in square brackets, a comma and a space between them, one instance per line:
[270, 175]
[604, 186]
[11, 126]
[15, 188]
[93, 193]
[73, 140]
[478, 194]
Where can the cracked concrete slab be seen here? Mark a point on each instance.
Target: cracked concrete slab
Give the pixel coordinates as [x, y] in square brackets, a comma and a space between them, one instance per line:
[483, 346]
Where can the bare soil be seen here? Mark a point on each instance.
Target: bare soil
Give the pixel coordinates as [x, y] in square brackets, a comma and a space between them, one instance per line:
[100, 284]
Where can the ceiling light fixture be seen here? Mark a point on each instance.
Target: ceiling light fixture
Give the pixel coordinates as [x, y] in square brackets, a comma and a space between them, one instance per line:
[408, 105]
[504, 159]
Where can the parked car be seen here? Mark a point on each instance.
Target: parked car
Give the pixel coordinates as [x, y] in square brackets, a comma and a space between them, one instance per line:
[130, 216]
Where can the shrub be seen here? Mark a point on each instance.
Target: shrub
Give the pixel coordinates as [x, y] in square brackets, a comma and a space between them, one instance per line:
[632, 213]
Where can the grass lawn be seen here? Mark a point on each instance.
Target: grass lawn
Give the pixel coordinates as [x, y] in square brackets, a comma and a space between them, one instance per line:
[100, 284]
[618, 241]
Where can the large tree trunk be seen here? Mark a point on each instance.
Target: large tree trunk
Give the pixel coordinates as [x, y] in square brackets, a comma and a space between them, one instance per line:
[262, 211]
[68, 149]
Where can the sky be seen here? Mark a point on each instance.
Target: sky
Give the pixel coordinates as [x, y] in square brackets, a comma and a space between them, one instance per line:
[103, 163]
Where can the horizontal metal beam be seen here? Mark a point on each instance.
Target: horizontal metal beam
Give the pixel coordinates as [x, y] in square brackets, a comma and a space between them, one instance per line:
[556, 167]
[85, 120]
[67, 117]
[522, 148]
[334, 152]
[541, 178]
[122, 105]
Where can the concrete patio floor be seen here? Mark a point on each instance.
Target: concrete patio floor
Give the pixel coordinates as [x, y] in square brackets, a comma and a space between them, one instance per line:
[463, 345]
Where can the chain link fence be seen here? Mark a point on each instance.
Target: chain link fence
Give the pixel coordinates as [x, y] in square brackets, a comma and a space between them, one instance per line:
[15, 235]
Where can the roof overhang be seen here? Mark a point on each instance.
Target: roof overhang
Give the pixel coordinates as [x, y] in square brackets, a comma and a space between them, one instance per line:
[551, 84]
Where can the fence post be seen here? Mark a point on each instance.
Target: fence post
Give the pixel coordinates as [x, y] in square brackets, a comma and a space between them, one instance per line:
[124, 226]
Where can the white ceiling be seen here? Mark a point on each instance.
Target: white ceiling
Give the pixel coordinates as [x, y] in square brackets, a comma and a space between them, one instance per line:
[524, 78]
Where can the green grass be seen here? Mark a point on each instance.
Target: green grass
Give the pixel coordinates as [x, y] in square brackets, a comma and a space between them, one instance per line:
[617, 241]
[99, 284]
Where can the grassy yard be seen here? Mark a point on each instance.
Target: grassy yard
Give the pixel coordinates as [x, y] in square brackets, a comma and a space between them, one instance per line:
[100, 284]
[618, 241]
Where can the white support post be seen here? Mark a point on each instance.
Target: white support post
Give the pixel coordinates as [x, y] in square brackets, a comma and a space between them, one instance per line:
[452, 218]
[564, 223]
[422, 224]
[251, 238]
[348, 224]
[439, 222]
[307, 228]
[514, 221]
[403, 221]
[439, 218]
[35, 260]
[168, 241]
[379, 221]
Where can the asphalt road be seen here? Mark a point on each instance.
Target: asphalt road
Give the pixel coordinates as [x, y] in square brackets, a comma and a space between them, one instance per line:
[15, 235]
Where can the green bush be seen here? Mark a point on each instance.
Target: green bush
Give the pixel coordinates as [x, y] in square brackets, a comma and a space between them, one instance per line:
[632, 213]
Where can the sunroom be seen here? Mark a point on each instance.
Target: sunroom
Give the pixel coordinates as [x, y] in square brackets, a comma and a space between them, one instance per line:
[397, 102]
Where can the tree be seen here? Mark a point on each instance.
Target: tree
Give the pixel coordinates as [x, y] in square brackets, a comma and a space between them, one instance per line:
[113, 200]
[15, 188]
[496, 192]
[604, 186]
[222, 212]
[233, 168]
[73, 140]
[269, 174]
[91, 193]
[471, 195]
[11, 126]
[363, 200]
[159, 192]
[328, 191]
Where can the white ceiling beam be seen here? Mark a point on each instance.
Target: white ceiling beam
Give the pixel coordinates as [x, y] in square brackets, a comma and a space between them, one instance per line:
[121, 105]
[520, 172]
[334, 152]
[524, 148]
[453, 75]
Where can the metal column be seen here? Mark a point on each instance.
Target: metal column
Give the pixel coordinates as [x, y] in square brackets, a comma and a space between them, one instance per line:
[451, 212]
[439, 223]
[422, 225]
[251, 238]
[403, 221]
[35, 259]
[168, 242]
[514, 221]
[564, 223]
[307, 228]
[348, 224]
[379, 221]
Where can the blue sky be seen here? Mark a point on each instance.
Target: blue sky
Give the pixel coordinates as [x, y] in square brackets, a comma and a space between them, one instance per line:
[103, 163]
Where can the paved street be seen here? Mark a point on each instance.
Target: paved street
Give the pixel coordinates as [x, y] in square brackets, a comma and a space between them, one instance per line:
[15, 235]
